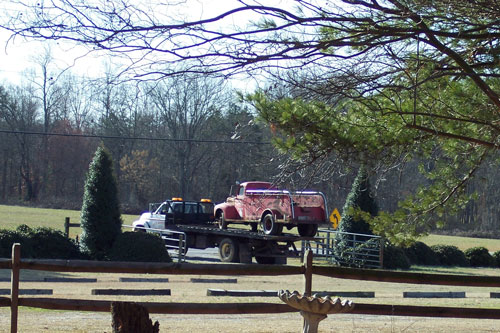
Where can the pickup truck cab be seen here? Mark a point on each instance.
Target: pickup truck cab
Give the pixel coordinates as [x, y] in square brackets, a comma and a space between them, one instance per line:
[176, 211]
[262, 204]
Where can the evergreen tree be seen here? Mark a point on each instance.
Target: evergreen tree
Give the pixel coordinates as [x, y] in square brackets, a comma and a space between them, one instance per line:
[358, 200]
[100, 217]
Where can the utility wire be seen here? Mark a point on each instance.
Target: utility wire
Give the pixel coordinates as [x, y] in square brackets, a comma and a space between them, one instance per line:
[133, 138]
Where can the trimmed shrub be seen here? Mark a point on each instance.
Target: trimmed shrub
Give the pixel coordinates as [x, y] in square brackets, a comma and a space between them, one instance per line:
[450, 255]
[139, 246]
[8, 238]
[100, 218]
[49, 243]
[420, 253]
[496, 256]
[479, 257]
[395, 257]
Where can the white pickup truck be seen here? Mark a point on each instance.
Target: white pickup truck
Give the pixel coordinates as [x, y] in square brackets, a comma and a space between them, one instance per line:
[176, 211]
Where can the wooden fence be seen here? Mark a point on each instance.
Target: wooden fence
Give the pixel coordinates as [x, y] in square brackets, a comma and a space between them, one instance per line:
[15, 264]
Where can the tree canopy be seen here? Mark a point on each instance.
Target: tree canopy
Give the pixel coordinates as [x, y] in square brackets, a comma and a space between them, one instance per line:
[366, 80]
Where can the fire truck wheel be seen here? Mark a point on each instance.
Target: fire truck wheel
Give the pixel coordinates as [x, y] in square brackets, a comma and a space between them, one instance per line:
[307, 230]
[221, 221]
[228, 250]
[269, 226]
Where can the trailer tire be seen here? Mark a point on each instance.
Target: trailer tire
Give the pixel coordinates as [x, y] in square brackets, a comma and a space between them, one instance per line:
[221, 221]
[265, 260]
[228, 250]
[139, 229]
[307, 230]
[269, 225]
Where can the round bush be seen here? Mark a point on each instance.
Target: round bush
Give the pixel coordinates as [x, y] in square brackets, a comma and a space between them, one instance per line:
[49, 243]
[496, 256]
[420, 253]
[450, 255]
[479, 257]
[139, 246]
[8, 238]
[395, 257]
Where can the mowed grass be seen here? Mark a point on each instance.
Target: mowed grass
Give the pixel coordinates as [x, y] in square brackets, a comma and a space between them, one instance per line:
[12, 216]
[463, 243]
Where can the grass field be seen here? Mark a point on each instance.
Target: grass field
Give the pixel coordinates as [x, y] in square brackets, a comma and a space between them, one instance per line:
[12, 216]
[462, 243]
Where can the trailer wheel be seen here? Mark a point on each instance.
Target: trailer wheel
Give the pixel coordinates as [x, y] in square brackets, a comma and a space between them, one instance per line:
[265, 260]
[221, 221]
[228, 250]
[140, 229]
[269, 225]
[307, 230]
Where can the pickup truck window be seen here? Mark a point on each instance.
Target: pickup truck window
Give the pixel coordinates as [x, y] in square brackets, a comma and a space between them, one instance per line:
[242, 191]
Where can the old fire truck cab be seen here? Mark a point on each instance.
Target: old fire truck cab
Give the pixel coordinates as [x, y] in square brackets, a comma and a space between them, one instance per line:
[262, 204]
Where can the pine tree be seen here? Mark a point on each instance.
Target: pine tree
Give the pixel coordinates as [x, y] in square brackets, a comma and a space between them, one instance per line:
[100, 216]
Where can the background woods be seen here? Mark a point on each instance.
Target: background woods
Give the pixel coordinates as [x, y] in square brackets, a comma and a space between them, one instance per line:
[407, 88]
[192, 139]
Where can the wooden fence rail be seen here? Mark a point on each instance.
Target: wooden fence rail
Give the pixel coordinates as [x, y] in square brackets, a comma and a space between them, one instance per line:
[308, 270]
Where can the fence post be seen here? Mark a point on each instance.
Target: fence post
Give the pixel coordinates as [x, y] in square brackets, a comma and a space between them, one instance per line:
[381, 252]
[14, 289]
[66, 227]
[308, 273]
[180, 253]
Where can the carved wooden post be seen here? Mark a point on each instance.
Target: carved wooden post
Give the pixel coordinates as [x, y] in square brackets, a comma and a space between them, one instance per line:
[130, 317]
[14, 289]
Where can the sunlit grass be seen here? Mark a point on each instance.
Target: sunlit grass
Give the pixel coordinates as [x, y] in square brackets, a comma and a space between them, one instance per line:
[462, 243]
[12, 216]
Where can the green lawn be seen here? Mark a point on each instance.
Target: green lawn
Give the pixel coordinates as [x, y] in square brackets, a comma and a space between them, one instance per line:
[12, 216]
[462, 243]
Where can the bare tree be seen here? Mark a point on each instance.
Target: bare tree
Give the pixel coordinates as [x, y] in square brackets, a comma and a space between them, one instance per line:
[185, 105]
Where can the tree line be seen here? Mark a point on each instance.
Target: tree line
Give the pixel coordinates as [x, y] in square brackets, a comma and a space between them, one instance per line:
[188, 136]
[408, 89]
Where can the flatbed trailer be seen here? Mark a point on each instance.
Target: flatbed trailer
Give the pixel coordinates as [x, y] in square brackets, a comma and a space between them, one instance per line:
[240, 245]
[195, 220]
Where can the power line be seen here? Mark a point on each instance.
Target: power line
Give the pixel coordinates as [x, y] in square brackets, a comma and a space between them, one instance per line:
[133, 138]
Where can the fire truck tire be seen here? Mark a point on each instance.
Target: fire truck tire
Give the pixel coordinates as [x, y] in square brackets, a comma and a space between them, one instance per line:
[221, 221]
[269, 225]
[228, 250]
[307, 230]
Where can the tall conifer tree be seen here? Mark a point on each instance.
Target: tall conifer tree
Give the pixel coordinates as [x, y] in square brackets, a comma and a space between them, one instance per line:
[359, 199]
[100, 216]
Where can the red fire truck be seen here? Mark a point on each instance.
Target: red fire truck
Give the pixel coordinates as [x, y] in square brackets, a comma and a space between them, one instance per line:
[258, 203]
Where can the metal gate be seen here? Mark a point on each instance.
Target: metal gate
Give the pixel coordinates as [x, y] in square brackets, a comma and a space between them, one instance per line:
[358, 250]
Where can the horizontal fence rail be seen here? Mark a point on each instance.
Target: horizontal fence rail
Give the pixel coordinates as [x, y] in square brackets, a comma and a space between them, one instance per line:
[16, 264]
